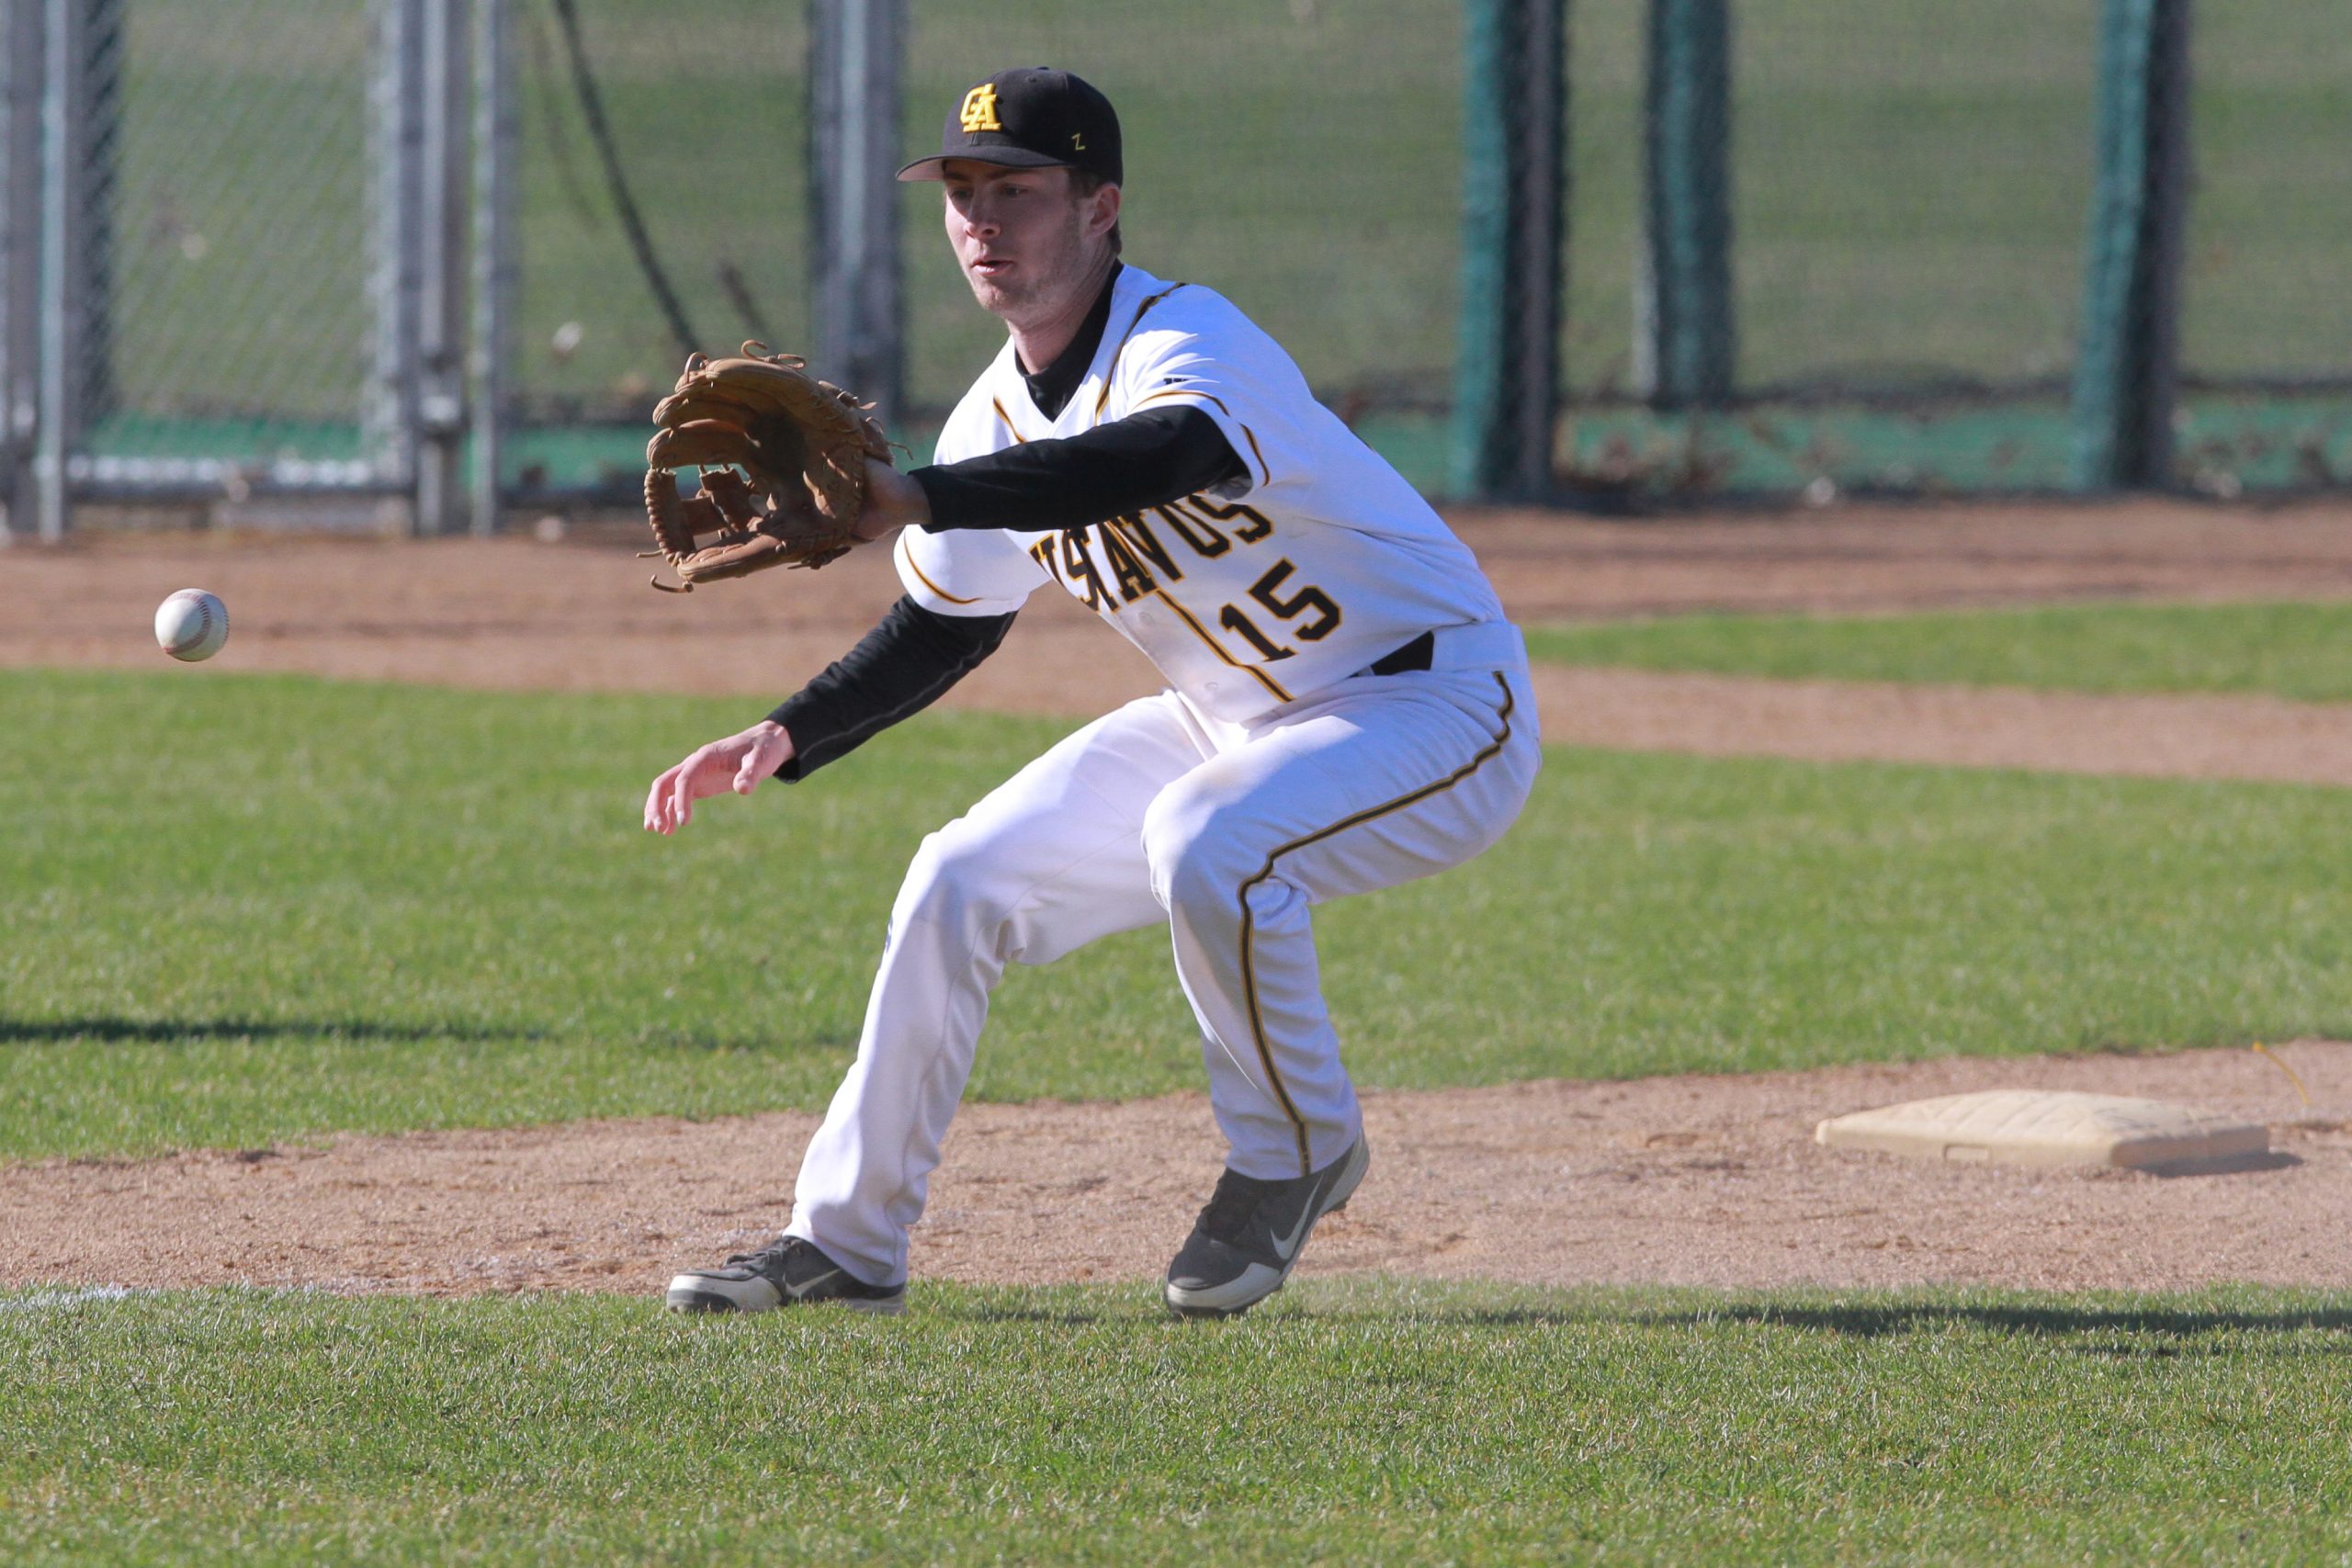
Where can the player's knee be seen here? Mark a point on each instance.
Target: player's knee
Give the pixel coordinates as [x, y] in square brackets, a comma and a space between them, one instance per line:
[1198, 850]
[952, 881]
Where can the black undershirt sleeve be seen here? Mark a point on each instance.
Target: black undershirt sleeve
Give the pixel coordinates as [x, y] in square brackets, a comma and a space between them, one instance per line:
[895, 671]
[1146, 459]
[914, 655]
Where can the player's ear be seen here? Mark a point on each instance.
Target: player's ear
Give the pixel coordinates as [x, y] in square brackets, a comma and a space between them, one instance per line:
[1102, 211]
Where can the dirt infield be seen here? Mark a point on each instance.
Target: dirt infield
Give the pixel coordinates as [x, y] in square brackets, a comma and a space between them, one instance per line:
[514, 612]
[578, 615]
[1693, 1180]
[1679, 1181]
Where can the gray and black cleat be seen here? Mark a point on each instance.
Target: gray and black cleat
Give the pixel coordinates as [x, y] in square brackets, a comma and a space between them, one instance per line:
[1243, 1245]
[788, 1271]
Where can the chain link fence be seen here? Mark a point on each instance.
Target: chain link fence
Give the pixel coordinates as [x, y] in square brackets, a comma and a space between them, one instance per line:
[1917, 218]
[2266, 339]
[255, 266]
[659, 203]
[1302, 157]
[223, 238]
[1904, 204]
[1909, 189]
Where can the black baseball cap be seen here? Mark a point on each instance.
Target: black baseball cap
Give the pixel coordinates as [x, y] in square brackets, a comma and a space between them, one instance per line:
[1029, 118]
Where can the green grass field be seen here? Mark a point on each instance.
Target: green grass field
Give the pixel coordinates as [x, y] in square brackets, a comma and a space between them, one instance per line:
[2298, 650]
[390, 908]
[386, 908]
[1347, 1422]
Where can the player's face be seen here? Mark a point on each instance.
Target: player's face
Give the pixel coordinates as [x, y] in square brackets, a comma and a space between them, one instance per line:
[1022, 236]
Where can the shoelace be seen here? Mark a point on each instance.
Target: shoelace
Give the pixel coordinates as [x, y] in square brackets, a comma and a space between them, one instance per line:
[769, 1259]
[1233, 1205]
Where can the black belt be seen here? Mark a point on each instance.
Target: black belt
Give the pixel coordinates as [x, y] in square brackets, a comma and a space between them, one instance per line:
[1415, 655]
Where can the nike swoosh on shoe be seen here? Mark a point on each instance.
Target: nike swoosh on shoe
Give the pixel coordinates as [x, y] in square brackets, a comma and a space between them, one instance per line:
[1285, 1246]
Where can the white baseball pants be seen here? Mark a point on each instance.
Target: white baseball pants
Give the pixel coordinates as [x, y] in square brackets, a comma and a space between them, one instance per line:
[1229, 833]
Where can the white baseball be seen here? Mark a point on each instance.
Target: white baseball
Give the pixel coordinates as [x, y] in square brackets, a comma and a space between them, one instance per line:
[192, 625]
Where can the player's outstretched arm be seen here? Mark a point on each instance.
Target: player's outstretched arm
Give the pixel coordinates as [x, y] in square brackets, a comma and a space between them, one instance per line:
[905, 663]
[1070, 481]
[892, 502]
[739, 763]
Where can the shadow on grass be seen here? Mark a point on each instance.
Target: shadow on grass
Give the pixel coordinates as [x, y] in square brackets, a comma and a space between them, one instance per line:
[2162, 1327]
[113, 1030]
[1872, 1320]
[1072, 1318]
[182, 1031]
[817, 1040]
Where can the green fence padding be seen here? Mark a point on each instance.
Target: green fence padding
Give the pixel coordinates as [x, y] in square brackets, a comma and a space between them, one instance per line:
[1505, 368]
[1687, 240]
[2124, 370]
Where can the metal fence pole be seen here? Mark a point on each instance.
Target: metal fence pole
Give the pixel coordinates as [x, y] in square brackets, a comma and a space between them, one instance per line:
[856, 48]
[103, 49]
[440, 354]
[60, 259]
[2126, 366]
[1684, 342]
[388, 413]
[1506, 401]
[20, 116]
[495, 133]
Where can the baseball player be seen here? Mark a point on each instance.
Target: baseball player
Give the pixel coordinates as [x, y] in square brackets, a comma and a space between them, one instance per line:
[1347, 708]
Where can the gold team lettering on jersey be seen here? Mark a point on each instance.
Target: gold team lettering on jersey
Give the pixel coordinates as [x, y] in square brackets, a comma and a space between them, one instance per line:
[980, 109]
[1128, 543]
[1131, 550]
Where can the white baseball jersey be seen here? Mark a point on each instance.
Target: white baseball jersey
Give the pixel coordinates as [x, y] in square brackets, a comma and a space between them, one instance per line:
[1319, 562]
[1264, 783]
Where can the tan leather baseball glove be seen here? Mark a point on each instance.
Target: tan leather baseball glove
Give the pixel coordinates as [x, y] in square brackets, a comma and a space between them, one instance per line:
[801, 445]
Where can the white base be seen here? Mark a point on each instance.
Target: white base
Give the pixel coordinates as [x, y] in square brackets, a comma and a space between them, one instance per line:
[2048, 1127]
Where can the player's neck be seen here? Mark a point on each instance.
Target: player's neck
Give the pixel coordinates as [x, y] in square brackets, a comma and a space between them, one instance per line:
[1040, 340]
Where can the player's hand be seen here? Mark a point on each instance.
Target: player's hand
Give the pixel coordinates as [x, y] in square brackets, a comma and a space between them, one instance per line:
[738, 763]
[892, 501]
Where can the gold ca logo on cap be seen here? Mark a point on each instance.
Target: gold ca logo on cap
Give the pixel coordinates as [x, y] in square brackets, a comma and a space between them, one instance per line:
[980, 109]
